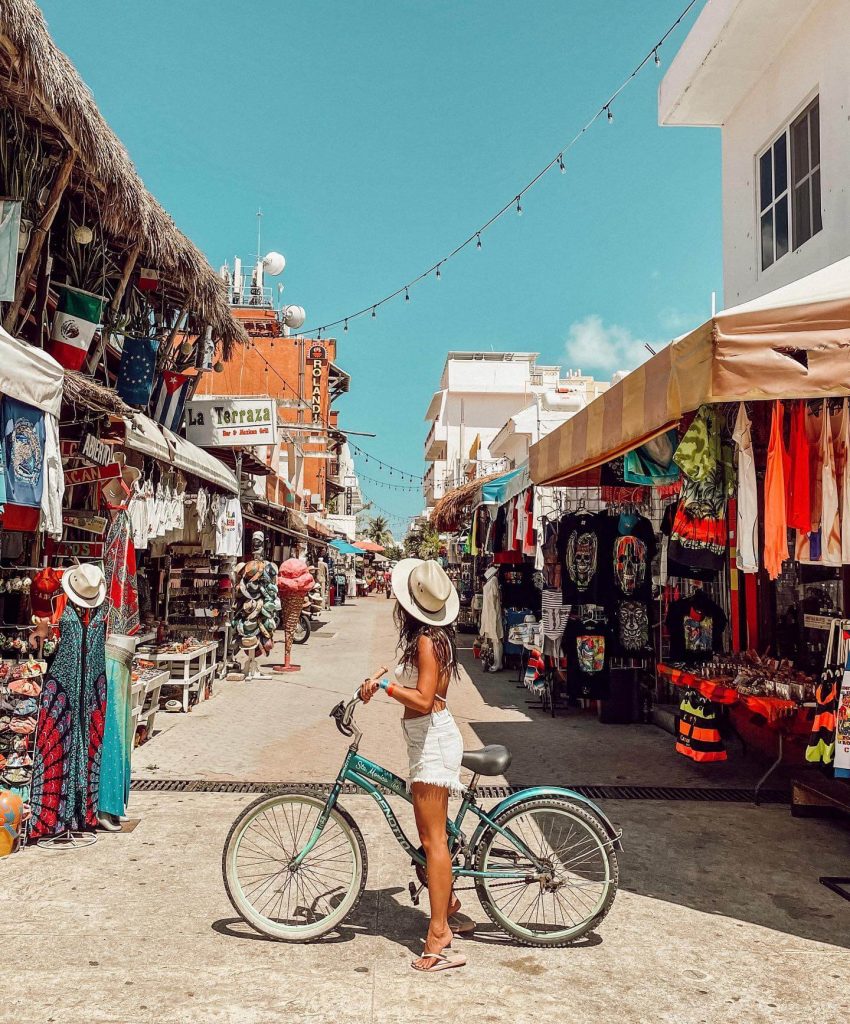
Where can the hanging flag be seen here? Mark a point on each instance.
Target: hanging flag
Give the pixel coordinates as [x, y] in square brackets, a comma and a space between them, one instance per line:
[148, 280]
[135, 373]
[169, 398]
[10, 232]
[74, 324]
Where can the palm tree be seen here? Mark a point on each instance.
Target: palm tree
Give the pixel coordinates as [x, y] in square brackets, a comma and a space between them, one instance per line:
[379, 531]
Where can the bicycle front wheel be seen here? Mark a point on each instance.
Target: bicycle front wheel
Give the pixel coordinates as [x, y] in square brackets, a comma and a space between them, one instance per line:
[575, 889]
[293, 904]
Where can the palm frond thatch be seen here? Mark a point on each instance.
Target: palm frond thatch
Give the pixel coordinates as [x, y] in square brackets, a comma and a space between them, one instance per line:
[41, 83]
[450, 511]
[87, 393]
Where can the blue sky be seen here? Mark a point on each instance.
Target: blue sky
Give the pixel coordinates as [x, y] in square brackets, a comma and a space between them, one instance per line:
[376, 135]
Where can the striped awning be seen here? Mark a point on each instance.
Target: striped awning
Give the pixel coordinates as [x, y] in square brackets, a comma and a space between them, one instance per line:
[792, 343]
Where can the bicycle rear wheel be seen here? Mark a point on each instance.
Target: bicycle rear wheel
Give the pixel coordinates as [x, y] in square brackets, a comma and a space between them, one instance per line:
[576, 889]
[293, 904]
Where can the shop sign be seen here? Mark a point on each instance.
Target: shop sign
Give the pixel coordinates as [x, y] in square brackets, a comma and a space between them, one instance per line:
[348, 501]
[817, 622]
[229, 422]
[85, 521]
[317, 360]
[75, 549]
[92, 474]
[90, 448]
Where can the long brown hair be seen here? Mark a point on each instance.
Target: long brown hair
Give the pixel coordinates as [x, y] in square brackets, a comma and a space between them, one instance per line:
[442, 637]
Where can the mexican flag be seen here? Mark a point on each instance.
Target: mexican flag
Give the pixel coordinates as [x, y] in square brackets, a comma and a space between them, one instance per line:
[76, 320]
[148, 280]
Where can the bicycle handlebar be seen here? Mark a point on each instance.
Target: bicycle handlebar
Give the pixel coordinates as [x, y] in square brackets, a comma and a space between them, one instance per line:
[343, 714]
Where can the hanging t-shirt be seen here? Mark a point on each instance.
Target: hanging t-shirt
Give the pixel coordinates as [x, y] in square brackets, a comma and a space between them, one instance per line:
[23, 451]
[696, 625]
[629, 548]
[747, 515]
[631, 628]
[587, 649]
[228, 528]
[579, 552]
[551, 561]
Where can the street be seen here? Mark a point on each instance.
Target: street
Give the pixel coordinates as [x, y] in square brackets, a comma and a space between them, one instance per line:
[720, 914]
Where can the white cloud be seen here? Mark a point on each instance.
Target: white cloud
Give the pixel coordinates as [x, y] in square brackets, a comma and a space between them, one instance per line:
[601, 349]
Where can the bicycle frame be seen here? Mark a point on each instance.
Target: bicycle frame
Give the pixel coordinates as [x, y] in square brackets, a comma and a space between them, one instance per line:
[368, 776]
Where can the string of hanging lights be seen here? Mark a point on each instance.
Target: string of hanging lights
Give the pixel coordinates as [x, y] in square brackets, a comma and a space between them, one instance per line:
[391, 487]
[394, 516]
[402, 473]
[514, 203]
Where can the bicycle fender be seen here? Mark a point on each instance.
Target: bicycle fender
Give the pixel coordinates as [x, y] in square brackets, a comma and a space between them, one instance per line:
[555, 791]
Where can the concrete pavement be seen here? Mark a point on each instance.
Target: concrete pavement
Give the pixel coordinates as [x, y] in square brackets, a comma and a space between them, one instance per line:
[720, 916]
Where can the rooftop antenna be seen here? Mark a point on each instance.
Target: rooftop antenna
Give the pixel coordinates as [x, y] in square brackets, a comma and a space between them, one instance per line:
[259, 229]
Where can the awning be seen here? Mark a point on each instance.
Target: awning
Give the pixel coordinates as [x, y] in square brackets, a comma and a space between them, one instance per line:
[142, 434]
[494, 491]
[30, 375]
[344, 548]
[368, 545]
[790, 343]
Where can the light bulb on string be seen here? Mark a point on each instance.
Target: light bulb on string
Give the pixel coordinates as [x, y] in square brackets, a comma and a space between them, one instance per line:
[610, 114]
[518, 207]
[439, 275]
[562, 167]
[374, 312]
[406, 294]
[345, 326]
[478, 243]
[657, 59]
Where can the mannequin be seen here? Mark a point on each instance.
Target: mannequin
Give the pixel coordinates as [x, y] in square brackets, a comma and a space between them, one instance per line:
[491, 615]
[69, 733]
[257, 605]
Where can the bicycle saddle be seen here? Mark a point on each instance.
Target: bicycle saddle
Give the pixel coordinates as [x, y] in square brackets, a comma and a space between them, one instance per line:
[493, 759]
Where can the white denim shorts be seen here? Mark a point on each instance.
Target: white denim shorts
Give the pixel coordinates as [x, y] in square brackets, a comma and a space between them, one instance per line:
[434, 748]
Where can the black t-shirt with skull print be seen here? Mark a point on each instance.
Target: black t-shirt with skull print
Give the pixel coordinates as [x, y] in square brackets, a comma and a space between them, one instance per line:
[580, 548]
[632, 628]
[626, 563]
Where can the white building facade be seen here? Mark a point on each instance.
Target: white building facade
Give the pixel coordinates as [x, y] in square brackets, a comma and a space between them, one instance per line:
[772, 75]
[490, 407]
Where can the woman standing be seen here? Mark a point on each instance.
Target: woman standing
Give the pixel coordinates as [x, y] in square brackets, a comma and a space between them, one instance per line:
[427, 605]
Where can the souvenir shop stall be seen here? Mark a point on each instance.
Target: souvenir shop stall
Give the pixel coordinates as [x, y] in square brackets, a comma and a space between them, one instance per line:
[728, 457]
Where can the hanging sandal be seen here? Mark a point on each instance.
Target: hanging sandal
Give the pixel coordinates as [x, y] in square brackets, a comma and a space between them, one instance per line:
[441, 962]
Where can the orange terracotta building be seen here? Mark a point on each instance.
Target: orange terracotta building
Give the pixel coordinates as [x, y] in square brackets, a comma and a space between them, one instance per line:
[300, 373]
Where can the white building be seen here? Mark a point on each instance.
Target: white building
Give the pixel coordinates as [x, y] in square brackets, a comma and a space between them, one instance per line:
[772, 75]
[489, 408]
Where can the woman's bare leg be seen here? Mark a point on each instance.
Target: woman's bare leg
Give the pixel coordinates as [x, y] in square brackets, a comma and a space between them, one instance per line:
[430, 804]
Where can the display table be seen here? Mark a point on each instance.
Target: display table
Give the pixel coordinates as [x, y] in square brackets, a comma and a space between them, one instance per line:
[190, 670]
[784, 717]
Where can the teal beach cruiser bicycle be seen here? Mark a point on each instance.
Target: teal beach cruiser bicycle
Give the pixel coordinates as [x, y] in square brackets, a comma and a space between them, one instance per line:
[543, 861]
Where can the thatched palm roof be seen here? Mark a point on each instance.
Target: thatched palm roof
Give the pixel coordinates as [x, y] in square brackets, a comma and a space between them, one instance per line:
[38, 80]
[449, 512]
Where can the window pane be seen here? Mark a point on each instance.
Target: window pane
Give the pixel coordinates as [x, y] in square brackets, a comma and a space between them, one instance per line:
[800, 148]
[765, 180]
[817, 222]
[802, 215]
[767, 240]
[781, 216]
[780, 166]
[814, 122]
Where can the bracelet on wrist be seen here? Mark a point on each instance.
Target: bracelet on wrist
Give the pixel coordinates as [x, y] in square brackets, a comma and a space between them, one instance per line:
[384, 684]
[390, 689]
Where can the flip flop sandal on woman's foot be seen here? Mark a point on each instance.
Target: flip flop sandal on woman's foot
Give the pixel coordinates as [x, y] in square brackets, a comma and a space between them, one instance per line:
[441, 962]
[460, 924]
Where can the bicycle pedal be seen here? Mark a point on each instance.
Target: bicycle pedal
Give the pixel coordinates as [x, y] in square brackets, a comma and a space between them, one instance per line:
[414, 893]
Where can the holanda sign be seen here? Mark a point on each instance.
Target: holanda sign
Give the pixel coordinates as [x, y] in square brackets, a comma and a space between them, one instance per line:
[230, 422]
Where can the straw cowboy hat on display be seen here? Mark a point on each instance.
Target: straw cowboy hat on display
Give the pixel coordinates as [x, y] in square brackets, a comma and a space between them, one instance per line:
[424, 590]
[85, 585]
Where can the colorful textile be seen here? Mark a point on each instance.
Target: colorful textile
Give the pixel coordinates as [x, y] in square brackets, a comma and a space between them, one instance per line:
[136, 372]
[119, 566]
[798, 484]
[747, 557]
[69, 734]
[822, 544]
[10, 230]
[74, 325]
[652, 463]
[699, 738]
[23, 451]
[169, 398]
[118, 728]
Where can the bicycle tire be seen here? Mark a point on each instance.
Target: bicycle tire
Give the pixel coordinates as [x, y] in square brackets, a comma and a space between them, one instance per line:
[302, 631]
[265, 926]
[557, 939]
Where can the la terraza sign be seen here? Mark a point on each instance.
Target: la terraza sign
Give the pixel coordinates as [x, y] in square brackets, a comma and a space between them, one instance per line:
[225, 422]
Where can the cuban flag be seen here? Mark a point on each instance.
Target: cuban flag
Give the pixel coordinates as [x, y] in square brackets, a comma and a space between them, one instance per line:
[169, 398]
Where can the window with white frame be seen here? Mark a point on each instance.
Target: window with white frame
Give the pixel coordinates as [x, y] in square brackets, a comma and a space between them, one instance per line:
[789, 203]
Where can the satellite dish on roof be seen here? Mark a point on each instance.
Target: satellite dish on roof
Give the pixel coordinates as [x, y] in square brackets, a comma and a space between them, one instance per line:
[273, 263]
[294, 316]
